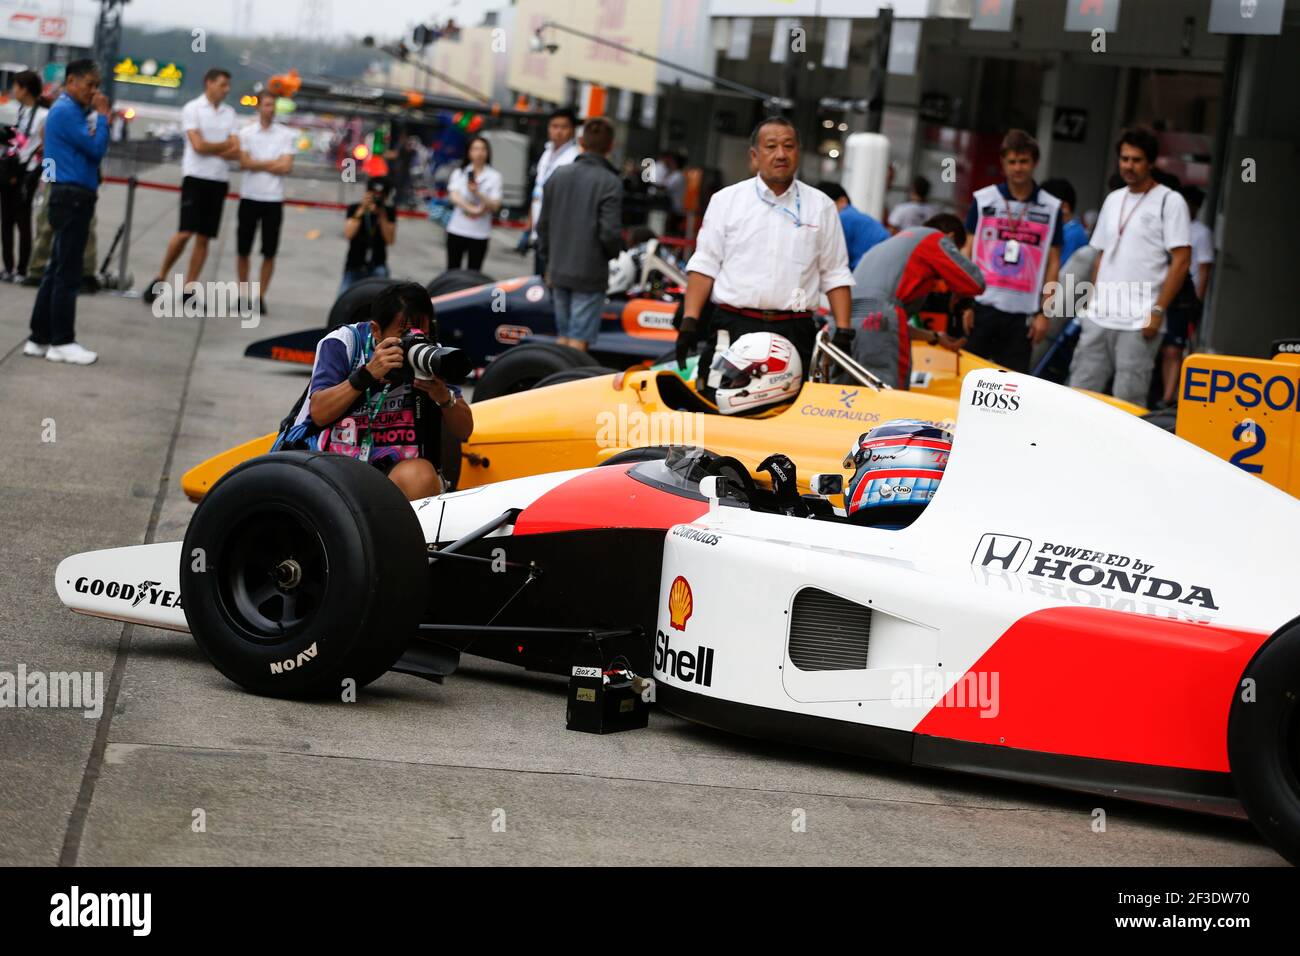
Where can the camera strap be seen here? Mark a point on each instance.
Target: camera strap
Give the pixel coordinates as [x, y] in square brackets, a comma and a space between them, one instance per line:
[371, 408]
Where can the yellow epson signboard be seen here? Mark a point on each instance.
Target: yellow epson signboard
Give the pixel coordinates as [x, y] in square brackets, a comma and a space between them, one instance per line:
[1246, 411]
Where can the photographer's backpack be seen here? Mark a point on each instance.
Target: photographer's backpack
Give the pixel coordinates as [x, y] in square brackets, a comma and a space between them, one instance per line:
[291, 437]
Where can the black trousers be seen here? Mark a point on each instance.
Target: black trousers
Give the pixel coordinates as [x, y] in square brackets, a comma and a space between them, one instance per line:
[16, 214]
[1001, 337]
[459, 247]
[54, 316]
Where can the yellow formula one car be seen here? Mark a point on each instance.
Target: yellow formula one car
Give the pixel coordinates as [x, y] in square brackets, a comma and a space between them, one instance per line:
[581, 423]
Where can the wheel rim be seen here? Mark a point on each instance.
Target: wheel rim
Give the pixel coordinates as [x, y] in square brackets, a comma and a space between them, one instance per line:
[273, 575]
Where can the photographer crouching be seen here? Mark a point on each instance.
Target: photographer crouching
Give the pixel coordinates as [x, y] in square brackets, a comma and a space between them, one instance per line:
[383, 391]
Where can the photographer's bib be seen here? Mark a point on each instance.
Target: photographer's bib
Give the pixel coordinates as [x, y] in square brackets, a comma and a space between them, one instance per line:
[381, 428]
[1011, 245]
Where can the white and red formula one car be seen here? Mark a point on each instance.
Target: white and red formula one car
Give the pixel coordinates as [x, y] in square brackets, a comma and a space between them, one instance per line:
[1087, 602]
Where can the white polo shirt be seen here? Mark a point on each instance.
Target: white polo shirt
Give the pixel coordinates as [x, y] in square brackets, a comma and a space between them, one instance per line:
[265, 145]
[1134, 264]
[489, 184]
[214, 125]
[770, 252]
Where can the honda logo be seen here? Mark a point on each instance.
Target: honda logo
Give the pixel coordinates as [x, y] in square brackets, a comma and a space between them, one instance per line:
[1006, 551]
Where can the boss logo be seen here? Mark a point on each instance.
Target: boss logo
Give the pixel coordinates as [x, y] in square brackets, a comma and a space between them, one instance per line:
[996, 397]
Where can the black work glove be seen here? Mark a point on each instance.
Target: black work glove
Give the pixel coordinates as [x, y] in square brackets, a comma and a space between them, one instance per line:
[843, 339]
[688, 336]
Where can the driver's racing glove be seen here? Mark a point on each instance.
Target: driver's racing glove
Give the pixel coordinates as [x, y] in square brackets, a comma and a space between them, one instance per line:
[785, 482]
[843, 339]
[688, 336]
[785, 485]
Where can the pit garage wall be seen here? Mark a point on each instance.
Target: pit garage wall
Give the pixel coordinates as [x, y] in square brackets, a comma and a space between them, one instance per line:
[1253, 299]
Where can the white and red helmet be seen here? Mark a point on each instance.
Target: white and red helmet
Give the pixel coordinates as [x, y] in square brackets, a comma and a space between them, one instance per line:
[759, 370]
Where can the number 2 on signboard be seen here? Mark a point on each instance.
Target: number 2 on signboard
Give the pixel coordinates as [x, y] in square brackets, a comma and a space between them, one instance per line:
[1239, 458]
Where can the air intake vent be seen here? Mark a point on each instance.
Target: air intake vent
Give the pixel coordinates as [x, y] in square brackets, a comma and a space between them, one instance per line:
[828, 633]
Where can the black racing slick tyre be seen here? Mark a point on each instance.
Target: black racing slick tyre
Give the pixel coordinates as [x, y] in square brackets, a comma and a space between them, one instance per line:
[456, 280]
[303, 570]
[520, 368]
[346, 308]
[575, 357]
[575, 375]
[1264, 741]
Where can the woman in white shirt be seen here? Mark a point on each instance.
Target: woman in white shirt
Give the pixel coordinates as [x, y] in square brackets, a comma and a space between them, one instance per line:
[475, 192]
[20, 177]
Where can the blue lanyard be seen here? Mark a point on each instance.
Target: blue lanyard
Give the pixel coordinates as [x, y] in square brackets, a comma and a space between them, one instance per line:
[796, 216]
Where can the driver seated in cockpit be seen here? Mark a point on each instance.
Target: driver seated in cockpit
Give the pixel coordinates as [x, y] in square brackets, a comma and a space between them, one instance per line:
[755, 373]
[898, 466]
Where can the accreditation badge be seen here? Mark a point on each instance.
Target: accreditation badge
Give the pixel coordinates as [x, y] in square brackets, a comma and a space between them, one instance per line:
[1011, 252]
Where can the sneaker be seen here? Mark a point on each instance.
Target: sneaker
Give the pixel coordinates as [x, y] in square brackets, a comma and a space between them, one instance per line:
[18, 278]
[151, 291]
[261, 307]
[6, 275]
[34, 350]
[72, 353]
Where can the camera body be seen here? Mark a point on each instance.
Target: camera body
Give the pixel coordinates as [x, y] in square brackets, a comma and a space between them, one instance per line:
[425, 359]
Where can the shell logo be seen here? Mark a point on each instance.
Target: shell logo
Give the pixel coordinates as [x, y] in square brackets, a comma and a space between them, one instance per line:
[681, 603]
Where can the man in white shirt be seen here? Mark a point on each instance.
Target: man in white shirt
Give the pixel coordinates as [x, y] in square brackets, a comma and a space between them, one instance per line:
[266, 155]
[1143, 237]
[561, 149]
[767, 250]
[210, 140]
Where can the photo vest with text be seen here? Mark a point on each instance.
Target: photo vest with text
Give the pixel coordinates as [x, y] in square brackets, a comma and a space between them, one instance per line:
[1014, 282]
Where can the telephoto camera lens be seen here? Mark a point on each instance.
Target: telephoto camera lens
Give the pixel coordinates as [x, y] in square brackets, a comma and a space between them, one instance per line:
[425, 359]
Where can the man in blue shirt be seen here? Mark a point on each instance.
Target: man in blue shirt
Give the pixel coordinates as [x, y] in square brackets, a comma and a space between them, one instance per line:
[861, 231]
[1073, 233]
[75, 142]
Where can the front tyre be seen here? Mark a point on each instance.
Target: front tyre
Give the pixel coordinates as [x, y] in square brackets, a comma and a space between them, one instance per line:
[301, 570]
[1264, 741]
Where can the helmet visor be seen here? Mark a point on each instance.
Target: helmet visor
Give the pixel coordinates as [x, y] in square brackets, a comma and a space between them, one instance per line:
[733, 376]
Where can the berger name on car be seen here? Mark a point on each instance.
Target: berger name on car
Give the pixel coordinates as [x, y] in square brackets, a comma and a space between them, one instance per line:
[997, 397]
[1086, 567]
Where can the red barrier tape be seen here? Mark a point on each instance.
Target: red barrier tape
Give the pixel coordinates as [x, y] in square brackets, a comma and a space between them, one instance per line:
[676, 241]
[305, 203]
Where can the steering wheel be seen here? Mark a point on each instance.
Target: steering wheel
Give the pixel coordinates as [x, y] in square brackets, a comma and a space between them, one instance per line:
[724, 466]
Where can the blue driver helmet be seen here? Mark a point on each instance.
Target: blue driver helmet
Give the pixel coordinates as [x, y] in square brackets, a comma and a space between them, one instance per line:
[898, 466]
